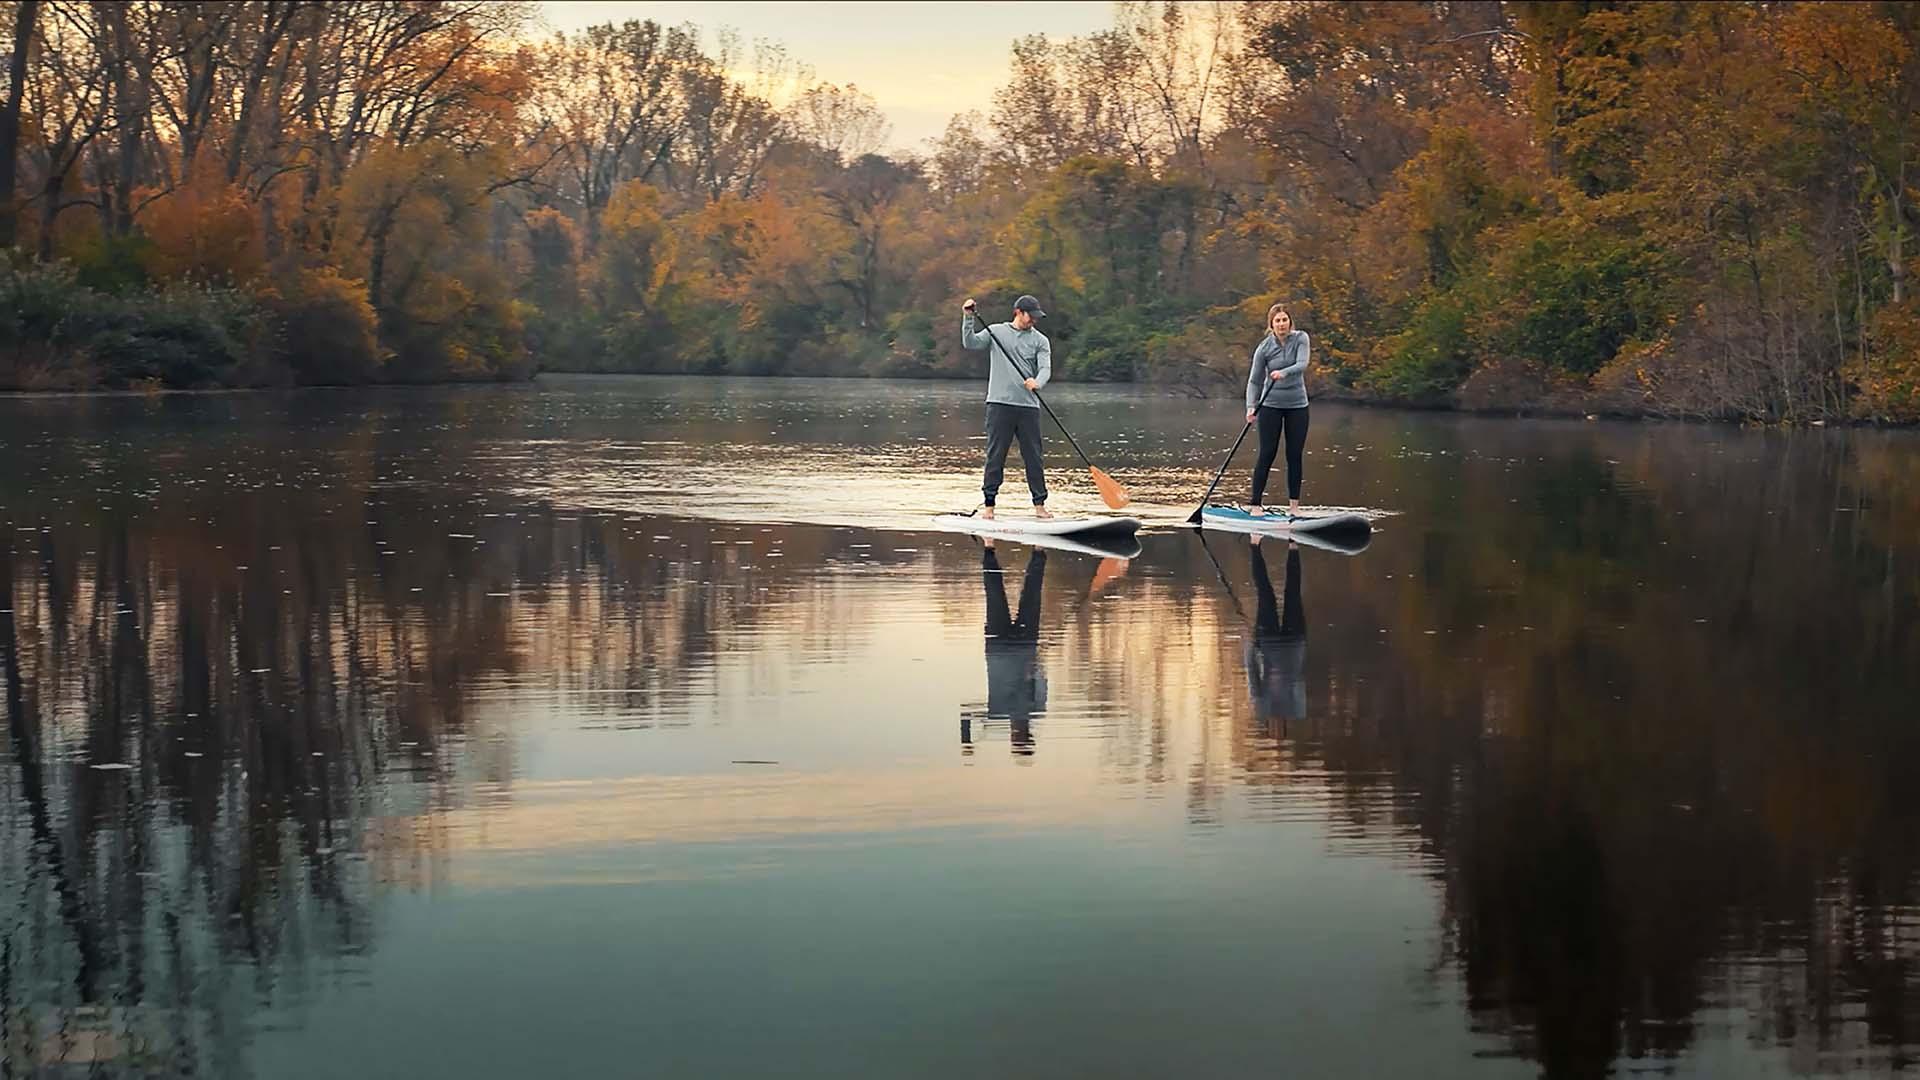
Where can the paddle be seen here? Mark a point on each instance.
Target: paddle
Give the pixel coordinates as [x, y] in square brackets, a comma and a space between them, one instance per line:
[1220, 573]
[1111, 492]
[1198, 510]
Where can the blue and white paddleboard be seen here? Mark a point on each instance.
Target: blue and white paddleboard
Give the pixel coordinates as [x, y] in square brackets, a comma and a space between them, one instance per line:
[1234, 519]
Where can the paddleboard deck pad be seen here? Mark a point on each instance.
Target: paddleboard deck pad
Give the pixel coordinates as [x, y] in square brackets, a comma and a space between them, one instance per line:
[1234, 519]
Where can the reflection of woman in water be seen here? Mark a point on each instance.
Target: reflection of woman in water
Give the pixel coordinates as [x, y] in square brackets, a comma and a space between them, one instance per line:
[1277, 652]
[1016, 687]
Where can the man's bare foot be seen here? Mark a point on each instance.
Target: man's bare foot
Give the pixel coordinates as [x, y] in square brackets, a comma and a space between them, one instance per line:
[1041, 512]
[986, 513]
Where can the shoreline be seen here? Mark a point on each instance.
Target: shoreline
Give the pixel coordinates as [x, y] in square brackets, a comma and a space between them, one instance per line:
[1341, 396]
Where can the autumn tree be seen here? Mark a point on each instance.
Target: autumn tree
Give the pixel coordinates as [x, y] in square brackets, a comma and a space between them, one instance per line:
[614, 101]
[1646, 206]
[841, 120]
[733, 125]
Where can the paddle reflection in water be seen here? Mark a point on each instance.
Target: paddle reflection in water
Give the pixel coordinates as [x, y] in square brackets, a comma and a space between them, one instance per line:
[1016, 683]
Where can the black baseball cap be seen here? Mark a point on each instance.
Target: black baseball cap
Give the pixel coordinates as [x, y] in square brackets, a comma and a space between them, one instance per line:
[1029, 305]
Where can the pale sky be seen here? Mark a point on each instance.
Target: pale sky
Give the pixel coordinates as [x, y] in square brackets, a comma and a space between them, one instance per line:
[922, 62]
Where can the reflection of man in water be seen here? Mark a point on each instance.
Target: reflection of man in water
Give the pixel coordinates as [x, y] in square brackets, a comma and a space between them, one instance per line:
[1016, 687]
[1277, 652]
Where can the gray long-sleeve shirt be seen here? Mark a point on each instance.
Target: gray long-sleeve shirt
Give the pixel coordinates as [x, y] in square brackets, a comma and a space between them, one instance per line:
[1029, 347]
[1289, 358]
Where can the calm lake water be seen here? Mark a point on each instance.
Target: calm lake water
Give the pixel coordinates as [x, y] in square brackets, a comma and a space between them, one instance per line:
[641, 727]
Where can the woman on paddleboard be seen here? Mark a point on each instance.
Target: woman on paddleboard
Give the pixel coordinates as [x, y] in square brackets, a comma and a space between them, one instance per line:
[1277, 397]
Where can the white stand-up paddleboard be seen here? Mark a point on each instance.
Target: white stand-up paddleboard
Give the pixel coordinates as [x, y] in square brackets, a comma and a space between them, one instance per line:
[1088, 535]
[1234, 519]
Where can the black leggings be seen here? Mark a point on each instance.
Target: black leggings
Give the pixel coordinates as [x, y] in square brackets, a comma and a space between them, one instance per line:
[1273, 422]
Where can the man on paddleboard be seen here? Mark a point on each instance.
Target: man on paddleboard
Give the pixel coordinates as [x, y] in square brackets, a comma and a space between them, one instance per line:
[1019, 362]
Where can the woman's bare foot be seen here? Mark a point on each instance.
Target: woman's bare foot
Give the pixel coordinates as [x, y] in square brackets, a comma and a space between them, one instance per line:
[1293, 507]
[1040, 511]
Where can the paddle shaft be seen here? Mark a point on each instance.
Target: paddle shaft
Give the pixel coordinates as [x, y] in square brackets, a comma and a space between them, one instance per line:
[1236, 449]
[1220, 573]
[1017, 370]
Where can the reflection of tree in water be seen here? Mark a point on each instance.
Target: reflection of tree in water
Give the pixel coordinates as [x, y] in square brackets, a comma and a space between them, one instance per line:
[1625, 827]
[194, 752]
[141, 877]
[1648, 782]
[290, 694]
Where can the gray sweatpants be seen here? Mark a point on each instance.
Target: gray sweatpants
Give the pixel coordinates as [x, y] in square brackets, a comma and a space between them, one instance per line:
[1005, 423]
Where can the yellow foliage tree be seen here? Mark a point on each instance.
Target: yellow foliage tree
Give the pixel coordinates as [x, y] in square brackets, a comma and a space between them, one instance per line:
[204, 230]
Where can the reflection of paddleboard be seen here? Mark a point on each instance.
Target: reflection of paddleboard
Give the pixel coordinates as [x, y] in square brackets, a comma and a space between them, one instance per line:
[1104, 536]
[1342, 541]
[1234, 519]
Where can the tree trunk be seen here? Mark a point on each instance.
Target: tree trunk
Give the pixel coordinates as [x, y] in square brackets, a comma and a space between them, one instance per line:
[377, 270]
[10, 119]
[379, 232]
[130, 112]
[274, 24]
[49, 210]
[25, 738]
[1896, 253]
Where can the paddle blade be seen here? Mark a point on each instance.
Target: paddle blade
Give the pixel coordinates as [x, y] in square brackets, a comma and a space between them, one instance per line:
[1109, 571]
[1111, 492]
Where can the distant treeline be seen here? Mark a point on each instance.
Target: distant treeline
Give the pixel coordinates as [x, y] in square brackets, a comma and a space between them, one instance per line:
[1673, 208]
